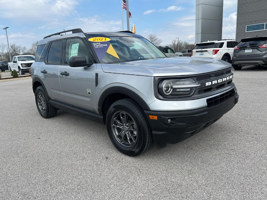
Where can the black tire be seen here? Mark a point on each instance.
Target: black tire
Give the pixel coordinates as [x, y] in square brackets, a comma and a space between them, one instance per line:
[20, 72]
[128, 128]
[45, 109]
[226, 58]
[237, 67]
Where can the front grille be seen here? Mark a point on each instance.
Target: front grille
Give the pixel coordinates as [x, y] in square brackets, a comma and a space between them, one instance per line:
[210, 78]
[220, 98]
[28, 64]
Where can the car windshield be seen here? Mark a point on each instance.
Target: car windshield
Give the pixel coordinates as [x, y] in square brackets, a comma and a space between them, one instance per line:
[209, 45]
[25, 58]
[124, 49]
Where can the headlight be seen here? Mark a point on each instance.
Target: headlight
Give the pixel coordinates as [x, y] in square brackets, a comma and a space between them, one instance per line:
[177, 87]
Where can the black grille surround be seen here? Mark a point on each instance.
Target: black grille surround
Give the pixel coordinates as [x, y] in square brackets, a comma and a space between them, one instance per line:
[209, 78]
[28, 64]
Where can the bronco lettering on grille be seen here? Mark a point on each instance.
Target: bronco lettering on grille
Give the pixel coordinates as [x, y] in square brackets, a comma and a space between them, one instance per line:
[217, 81]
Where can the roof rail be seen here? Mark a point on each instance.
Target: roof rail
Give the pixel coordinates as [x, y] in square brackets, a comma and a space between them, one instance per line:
[126, 32]
[76, 30]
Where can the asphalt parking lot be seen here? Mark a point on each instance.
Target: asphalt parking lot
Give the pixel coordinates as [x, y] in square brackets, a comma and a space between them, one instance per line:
[71, 157]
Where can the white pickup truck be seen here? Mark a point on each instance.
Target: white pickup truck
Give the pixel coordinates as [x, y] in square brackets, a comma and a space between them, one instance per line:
[21, 63]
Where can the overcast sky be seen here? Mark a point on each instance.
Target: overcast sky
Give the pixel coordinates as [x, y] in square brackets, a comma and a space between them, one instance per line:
[31, 20]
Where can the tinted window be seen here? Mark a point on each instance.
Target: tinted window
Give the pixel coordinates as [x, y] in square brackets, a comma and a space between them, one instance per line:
[76, 47]
[55, 53]
[209, 45]
[254, 43]
[40, 53]
[231, 44]
[255, 27]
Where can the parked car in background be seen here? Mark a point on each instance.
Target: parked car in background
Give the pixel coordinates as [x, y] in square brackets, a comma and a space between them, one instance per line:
[178, 53]
[187, 52]
[167, 51]
[250, 51]
[21, 63]
[3, 66]
[220, 50]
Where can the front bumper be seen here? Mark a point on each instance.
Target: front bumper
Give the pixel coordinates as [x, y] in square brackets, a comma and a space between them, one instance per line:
[172, 127]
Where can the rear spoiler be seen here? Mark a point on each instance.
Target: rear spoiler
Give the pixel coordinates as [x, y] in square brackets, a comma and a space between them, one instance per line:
[253, 39]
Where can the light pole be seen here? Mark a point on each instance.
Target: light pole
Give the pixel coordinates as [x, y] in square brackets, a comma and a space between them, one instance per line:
[7, 43]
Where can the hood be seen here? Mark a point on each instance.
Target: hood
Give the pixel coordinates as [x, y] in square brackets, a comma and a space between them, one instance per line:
[167, 66]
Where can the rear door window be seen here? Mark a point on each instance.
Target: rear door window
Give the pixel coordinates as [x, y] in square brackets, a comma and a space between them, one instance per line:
[55, 52]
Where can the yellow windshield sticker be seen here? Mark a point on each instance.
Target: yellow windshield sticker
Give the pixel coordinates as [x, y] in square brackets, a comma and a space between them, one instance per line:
[99, 39]
[112, 51]
[102, 47]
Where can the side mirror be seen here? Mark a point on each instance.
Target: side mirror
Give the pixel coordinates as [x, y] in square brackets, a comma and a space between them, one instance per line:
[14, 61]
[78, 61]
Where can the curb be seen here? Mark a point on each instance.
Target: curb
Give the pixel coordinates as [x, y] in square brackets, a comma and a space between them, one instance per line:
[10, 77]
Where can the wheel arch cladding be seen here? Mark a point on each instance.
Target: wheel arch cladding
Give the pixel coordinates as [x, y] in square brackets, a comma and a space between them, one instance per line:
[36, 83]
[115, 93]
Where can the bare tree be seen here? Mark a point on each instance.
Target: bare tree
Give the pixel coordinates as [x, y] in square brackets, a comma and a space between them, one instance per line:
[178, 45]
[154, 39]
[16, 50]
[3, 52]
[33, 48]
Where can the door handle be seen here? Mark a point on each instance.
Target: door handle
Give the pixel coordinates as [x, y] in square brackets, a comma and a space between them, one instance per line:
[64, 73]
[44, 71]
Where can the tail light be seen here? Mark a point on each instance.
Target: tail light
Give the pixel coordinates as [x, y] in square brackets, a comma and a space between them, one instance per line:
[236, 48]
[215, 51]
[263, 46]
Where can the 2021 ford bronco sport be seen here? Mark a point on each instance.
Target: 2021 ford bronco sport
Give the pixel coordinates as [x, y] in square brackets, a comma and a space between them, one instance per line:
[129, 84]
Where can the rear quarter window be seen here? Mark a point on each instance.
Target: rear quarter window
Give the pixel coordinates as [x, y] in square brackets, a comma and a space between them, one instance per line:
[40, 53]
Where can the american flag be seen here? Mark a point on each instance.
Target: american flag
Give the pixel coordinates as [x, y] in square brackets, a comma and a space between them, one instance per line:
[123, 3]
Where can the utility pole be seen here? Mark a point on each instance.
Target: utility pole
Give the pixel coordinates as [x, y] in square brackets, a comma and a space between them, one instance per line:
[128, 23]
[7, 43]
[178, 42]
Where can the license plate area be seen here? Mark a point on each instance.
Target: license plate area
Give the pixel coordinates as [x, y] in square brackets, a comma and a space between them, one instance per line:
[248, 50]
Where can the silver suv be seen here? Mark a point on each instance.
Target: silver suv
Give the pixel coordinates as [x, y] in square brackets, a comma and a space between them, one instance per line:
[129, 84]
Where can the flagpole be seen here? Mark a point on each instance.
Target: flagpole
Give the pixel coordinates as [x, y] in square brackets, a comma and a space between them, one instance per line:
[122, 25]
[128, 23]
